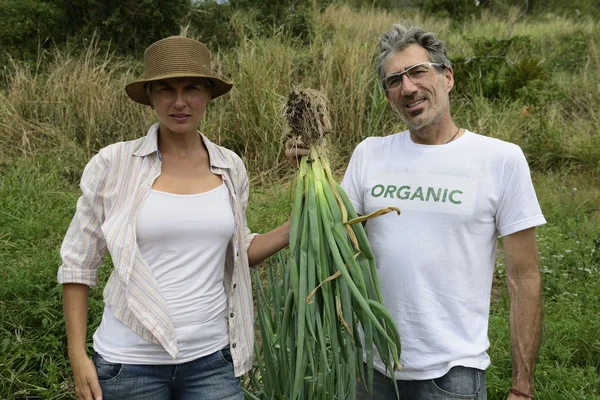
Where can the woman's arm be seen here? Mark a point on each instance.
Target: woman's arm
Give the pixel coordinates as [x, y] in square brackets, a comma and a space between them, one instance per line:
[259, 247]
[265, 245]
[75, 304]
[82, 253]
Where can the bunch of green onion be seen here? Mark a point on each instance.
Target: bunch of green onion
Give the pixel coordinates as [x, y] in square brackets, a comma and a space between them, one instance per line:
[311, 348]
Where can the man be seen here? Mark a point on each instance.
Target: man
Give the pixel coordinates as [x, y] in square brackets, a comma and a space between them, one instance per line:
[457, 191]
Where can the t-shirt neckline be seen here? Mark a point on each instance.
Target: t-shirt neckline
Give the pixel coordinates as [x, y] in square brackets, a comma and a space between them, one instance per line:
[438, 147]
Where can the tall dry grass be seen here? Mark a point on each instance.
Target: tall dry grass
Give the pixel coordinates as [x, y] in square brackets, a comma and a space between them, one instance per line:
[73, 104]
[69, 107]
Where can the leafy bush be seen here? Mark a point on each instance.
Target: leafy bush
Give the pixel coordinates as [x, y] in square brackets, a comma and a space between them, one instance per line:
[293, 16]
[131, 25]
[491, 71]
[524, 71]
[222, 25]
[572, 54]
[210, 22]
[28, 25]
[539, 92]
[455, 9]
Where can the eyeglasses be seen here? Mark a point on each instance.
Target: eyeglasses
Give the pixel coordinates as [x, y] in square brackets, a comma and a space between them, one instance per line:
[416, 74]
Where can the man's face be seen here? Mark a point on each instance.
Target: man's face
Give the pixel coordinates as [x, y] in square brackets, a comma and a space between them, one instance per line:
[423, 101]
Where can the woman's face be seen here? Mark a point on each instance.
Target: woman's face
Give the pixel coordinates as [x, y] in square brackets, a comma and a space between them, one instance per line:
[179, 103]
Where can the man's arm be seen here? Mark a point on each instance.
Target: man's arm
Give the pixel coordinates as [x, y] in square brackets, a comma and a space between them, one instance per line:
[524, 289]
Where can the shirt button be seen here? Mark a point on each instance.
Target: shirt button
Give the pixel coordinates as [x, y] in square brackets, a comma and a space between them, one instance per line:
[233, 346]
[234, 285]
[231, 315]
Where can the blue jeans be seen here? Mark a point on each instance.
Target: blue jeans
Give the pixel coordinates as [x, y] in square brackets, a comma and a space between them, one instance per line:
[207, 378]
[458, 383]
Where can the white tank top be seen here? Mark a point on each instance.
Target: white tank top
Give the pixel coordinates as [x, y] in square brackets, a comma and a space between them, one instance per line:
[183, 238]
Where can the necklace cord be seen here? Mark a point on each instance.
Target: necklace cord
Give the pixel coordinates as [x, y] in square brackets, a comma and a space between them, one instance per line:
[458, 130]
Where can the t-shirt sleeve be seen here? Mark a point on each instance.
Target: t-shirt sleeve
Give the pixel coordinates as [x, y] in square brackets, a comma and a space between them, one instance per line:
[352, 182]
[518, 207]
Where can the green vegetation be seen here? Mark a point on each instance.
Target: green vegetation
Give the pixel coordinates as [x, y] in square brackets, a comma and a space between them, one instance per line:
[329, 276]
[532, 81]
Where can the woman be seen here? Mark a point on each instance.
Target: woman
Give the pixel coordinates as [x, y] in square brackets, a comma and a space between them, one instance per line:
[170, 210]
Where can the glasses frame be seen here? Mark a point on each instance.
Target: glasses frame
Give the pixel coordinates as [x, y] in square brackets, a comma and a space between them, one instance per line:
[407, 70]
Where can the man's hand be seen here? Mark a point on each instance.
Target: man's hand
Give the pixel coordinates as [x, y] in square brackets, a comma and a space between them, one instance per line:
[294, 150]
[86, 379]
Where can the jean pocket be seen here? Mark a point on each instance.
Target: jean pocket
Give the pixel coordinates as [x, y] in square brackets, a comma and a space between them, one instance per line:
[459, 383]
[106, 371]
[226, 356]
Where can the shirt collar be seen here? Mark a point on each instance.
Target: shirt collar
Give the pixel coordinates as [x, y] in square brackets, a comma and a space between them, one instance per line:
[149, 145]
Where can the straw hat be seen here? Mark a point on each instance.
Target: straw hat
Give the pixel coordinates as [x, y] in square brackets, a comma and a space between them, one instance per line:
[175, 57]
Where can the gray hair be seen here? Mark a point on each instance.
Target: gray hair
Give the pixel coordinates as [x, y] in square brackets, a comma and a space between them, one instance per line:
[400, 37]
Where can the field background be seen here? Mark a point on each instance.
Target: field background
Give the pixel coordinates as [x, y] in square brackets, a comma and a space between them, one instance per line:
[532, 78]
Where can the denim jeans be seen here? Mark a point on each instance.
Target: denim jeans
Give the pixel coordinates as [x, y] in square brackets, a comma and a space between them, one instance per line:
[207, 378]
[458, 383]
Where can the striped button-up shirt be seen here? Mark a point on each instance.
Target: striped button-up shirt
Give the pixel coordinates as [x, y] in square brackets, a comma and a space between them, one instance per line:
[114, 185]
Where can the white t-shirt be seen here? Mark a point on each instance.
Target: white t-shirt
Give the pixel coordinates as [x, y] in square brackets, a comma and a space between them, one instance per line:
[183, 238]
[436, 260]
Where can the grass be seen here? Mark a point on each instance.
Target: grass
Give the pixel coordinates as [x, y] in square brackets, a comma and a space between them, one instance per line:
[36, 205]
[55, 116]
[569, 244]
[41, 200]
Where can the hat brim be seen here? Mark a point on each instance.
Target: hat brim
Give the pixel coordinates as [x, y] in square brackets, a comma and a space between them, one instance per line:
[137, 90]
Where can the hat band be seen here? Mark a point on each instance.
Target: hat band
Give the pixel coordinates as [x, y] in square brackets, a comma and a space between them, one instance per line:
[156, 70]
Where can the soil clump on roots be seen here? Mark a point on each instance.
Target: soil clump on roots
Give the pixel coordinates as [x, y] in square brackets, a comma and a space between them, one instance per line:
[307, 115]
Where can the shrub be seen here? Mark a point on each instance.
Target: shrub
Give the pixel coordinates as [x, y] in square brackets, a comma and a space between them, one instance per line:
[539, 92]
[294, 17]
[572, 53]
[455, 9]
[493, 72]
[130, 25]
[522, 72]
[28, 25]
[210, 22]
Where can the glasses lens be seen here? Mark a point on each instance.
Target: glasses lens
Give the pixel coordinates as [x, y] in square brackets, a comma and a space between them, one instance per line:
[393, 81]
[416, 73]
[419, 72]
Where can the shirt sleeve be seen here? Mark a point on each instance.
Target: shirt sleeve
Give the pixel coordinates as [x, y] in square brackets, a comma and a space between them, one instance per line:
[83, 248]
[518, 207]
[352, 182]
[244, 192]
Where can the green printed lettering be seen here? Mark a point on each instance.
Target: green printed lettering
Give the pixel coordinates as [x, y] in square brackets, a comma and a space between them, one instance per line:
[379, 188]
[418, 194]
[405, 195]
[433, 195]
[428, 194]
[451, 197]
[445, 194]
[390, 191]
